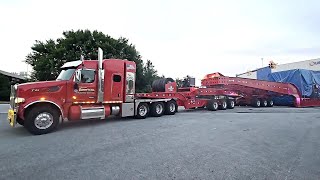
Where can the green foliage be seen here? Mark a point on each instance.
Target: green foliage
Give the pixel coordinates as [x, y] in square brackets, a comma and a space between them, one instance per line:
[47, 57]
[149, 75]
[184, 82]
[4, 88]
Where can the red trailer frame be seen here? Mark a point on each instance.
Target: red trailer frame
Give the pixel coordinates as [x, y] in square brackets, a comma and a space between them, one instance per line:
[249, 89]
[193, 97]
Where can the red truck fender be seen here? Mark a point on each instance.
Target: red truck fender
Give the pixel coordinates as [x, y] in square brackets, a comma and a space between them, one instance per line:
[36, 100]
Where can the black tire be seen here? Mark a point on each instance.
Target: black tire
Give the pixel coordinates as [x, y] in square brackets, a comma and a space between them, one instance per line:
[20, 121]
[159, 85]
[157, 109]
[38, 112]
[223, 105]
[264, 103]
[256, 103]
[231, 104]
[270, 103]
[212, 105]
[142, 111]
[171, 107]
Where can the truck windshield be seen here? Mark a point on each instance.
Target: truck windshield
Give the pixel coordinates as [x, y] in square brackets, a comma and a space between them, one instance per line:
[66, 74]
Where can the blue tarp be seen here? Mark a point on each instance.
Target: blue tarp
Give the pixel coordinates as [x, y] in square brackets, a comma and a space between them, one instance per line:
[262, 74]
[307, 81]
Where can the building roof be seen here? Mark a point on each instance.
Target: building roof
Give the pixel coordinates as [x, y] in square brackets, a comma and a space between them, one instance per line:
[12, 75]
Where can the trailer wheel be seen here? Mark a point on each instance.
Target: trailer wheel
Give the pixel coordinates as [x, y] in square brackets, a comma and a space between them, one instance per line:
[223, 105]
[212, 105]
[231, 104]
[157, 109]
[264, 103]
[171, 107]
[256, 103]
[142, 111]
[270, 103]
[42, 120]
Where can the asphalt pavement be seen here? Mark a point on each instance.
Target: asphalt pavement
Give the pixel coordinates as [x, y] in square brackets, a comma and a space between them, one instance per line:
[4, 108]
[244, 143]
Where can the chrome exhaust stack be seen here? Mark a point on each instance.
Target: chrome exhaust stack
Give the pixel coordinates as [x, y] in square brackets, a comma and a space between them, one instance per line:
[100, 76]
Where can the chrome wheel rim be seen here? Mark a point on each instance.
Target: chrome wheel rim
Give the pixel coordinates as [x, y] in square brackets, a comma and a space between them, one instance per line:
[215, 105]
[258, 103]
[265, 103]
[143, 110]
[159, 109]
[232, 104]
[224, 105]
[43, 120]
[271, 103]
[172, 107]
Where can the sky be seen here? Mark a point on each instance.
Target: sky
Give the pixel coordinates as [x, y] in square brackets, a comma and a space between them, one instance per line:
[180, 37]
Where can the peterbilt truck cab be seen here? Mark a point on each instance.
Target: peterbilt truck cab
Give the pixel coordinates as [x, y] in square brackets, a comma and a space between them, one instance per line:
[85, 89]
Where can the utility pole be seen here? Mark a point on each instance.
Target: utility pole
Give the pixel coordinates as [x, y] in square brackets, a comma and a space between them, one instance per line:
[262, 62]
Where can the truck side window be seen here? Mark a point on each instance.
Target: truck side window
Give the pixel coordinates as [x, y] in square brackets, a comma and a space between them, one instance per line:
[87, 76]
[116, 78]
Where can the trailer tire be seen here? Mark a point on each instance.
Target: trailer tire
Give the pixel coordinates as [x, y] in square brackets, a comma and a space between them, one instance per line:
[270, 103]
[256, 103]
[212, 105]
[264, 103]
[142, 111]
[231, 104]
[171, 107]
[223, 105]
[42, 120]
[157, 109]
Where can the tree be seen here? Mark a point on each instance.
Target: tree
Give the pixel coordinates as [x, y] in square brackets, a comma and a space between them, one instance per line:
[150, 74]
[47, 57]
[4, 88]
[184, 82]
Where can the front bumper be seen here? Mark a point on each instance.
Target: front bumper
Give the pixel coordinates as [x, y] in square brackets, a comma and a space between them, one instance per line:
[12, 112]
[12, 117]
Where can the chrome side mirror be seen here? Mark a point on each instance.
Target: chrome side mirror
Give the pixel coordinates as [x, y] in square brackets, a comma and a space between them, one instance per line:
[77, 77]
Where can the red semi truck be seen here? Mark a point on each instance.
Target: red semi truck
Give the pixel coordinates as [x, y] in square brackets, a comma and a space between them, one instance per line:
[96, 89]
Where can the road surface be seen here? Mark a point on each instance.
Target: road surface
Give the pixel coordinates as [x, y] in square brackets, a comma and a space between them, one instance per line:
[4, 108]
[244, 143]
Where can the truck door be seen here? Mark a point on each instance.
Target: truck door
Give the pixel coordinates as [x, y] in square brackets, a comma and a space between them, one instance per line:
[86, 89]
[117, 87]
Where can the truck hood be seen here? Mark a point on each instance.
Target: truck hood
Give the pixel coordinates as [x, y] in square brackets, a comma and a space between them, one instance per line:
[41, 87]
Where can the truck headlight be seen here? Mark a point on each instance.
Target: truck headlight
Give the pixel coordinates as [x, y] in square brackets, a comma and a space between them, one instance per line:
[19, 100]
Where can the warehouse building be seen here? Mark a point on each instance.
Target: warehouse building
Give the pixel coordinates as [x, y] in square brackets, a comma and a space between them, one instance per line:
[261, 73]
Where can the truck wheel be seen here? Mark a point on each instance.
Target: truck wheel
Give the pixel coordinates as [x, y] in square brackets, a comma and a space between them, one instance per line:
[142, 111]
[256, 103]
[231, 104]
[264, 103]
[42, 120]
[157, 109]
[270, 103]
[212, 105]
[223, 105]
[171, 107]
[20, 121]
